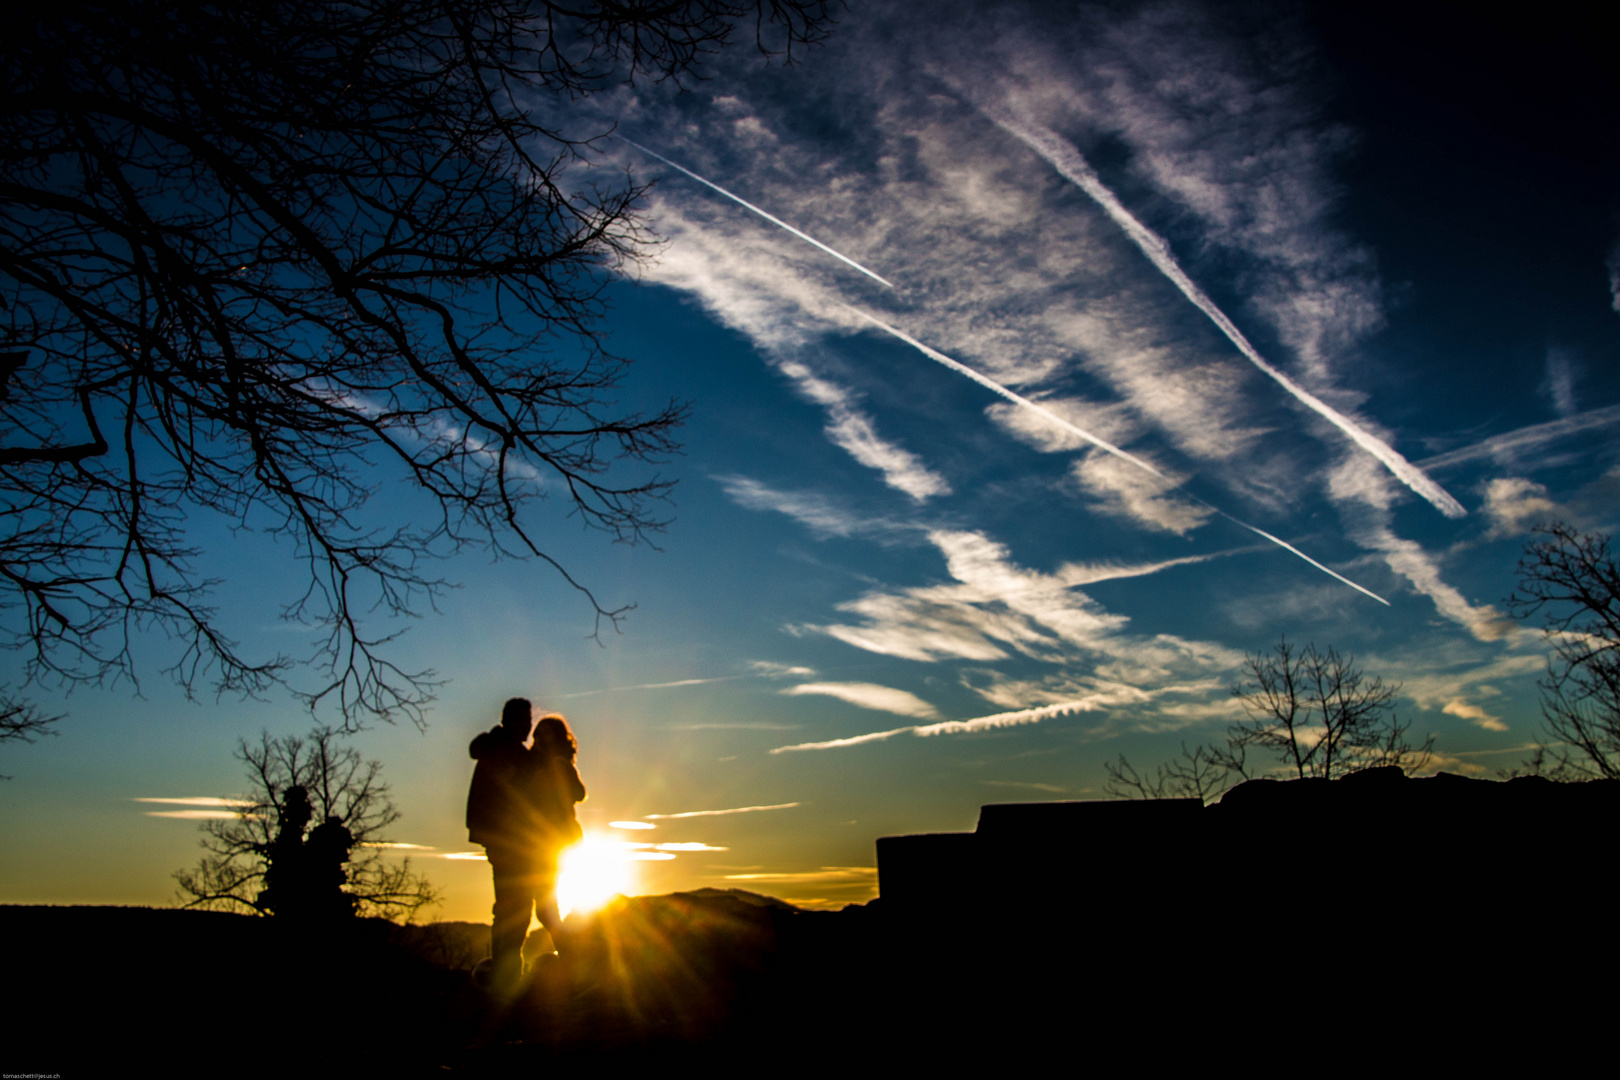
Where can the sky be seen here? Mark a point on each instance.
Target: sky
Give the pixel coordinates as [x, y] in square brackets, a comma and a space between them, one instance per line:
[1045, 361]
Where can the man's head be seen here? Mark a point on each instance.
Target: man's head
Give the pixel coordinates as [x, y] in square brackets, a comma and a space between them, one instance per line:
[517, 717]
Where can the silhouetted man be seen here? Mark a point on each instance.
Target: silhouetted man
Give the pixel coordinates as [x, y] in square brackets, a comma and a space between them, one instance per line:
[497, 818]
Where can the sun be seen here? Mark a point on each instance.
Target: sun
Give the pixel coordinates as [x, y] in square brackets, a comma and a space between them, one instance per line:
[593, 872]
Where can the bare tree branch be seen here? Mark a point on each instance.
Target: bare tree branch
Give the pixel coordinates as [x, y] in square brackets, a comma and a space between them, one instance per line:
[1572, 580]
[258, 258]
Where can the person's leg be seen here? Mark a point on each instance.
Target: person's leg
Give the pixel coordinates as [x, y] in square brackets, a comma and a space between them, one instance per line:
[545, 901]
[513, 902]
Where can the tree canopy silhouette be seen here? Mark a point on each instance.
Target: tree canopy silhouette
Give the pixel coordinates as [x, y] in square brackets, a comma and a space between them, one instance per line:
[1571, 579]
[298, 787]
[257, 256]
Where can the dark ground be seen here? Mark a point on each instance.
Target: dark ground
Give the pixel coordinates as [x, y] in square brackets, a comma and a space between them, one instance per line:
[711, 976]
[729, 981]
[1356, 922]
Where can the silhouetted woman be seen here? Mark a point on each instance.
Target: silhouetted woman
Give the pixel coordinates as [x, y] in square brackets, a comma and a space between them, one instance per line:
[553, 787]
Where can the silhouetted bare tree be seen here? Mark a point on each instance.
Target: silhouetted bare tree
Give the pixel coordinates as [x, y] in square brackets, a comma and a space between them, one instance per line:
[1572, 580]
[1319, 714]
[258, 256]
[1199, 773]
[297, 785]
[1312, 712]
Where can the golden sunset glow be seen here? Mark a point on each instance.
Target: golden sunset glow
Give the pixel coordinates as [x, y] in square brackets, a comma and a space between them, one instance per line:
[593, 872]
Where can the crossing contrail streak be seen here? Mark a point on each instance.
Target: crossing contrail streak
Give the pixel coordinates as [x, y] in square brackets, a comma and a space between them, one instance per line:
[1102, 444]
[1073, 167]
[1017, 399]
[774, 220]
[1290, 547]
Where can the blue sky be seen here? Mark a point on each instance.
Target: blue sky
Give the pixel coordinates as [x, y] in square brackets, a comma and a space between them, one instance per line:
[1244, 273]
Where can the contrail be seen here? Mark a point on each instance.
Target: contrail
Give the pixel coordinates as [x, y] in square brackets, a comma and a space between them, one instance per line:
[201, 800]
[722, 813]
[656, 685]
[833, 744]
[1016, 718]
[768, 217]
[1103, 444]
[1073, 167]
[1290, 547]
[1017, 399]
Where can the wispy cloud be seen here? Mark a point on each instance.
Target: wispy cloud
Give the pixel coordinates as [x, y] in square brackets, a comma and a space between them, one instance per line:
[759, 669]
[854, 432]
[993, 605]
[734, 725]
[1364, 504]
[1508, 448]
[1146, 502]
[722, 813]
[770, 669]
[1559, 384]
[654, 686]
[1448, 673]
[1612, 263]
[1069, 163]
[1513, 504]
[827, 875]
[1474, 714]
[870, 696]
[194, 815]
[205, 807]
[1136, 496]
[994, 608]
[816, 512]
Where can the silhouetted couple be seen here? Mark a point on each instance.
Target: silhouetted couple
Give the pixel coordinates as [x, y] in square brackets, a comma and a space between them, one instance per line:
[521, 809]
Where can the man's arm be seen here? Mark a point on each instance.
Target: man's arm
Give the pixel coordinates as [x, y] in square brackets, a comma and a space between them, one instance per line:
[485, 744]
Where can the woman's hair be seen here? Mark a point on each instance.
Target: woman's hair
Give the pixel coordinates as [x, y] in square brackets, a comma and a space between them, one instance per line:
[552, 733]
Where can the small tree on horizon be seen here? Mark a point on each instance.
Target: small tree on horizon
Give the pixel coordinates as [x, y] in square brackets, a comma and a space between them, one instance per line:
[239, 851]
[1311, 711]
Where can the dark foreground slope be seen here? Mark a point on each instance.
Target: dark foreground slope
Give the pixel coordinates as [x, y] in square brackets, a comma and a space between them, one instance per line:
[121, 990]
[1371, 918]
[710, 976]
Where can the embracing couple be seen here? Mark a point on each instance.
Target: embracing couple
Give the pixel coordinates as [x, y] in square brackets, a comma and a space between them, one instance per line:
[521, 809]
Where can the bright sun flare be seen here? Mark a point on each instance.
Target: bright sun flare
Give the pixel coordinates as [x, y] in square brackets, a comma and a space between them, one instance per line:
[592, 872]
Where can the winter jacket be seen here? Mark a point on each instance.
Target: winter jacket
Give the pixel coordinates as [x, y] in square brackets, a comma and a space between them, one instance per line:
[497, 808]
